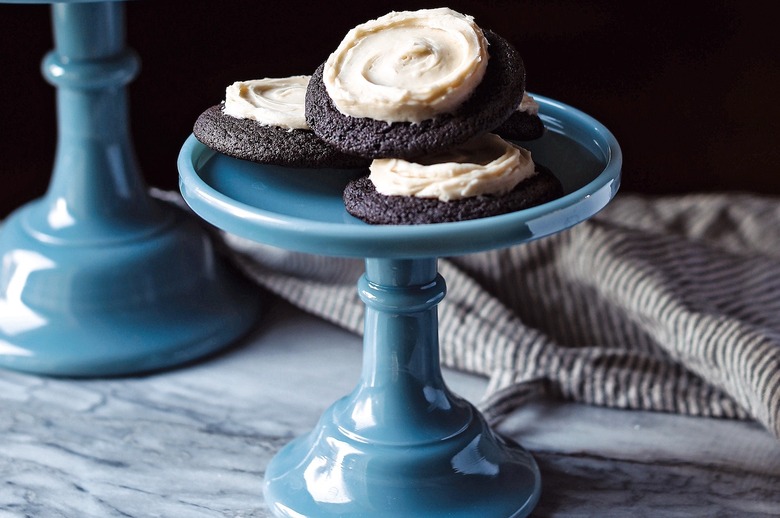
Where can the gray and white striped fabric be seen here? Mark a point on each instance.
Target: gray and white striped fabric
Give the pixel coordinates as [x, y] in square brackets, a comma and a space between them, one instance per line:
[669, 304]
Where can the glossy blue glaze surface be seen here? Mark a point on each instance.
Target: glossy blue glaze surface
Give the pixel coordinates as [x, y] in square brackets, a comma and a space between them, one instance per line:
[97, 278]
[401, 444]
[302, 210]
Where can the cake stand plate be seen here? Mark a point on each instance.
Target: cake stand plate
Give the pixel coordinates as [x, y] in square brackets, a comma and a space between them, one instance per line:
[97, 278]
[401, 444]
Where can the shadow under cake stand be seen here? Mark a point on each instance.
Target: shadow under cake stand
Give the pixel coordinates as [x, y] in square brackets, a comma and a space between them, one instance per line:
[401, 444]
[97, 277]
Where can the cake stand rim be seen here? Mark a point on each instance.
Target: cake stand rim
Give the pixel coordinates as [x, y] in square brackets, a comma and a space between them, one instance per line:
[410, 241]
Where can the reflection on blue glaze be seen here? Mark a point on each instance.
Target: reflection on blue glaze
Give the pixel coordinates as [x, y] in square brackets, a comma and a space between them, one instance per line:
[471, 461]
[16, 317]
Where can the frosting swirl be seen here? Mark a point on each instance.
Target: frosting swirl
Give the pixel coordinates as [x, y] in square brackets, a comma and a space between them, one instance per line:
[270, 101]
[407, 66]
[485, 165]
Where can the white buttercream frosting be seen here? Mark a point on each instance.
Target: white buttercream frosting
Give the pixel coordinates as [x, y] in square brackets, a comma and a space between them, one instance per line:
[270, 101]
[528, 105]
[407, 66]
[485, 165]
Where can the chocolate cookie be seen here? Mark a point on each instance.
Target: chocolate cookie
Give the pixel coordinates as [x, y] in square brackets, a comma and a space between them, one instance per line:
[521, 126]
[364, 202]
[249, 140]
[491, 103]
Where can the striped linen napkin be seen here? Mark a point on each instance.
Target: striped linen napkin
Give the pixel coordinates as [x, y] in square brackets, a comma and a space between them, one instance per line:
[669, 304]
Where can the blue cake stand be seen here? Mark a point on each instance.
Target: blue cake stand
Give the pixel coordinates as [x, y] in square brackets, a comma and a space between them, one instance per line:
[401, 444]
[97, 277]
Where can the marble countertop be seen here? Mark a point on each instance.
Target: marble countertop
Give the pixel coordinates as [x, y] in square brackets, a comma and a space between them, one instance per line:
[193, 442]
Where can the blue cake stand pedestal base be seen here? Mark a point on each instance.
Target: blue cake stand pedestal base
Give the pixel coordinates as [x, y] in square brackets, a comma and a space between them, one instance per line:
[401, 444]
[132, 303]
[97, 278]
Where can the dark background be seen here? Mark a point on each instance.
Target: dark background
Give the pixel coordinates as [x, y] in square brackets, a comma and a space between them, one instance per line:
[690, 89]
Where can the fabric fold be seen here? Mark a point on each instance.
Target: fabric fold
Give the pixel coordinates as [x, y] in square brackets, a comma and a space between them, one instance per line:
[667, 304]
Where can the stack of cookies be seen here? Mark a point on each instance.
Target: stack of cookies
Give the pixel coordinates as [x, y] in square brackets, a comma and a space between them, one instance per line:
[425, 99]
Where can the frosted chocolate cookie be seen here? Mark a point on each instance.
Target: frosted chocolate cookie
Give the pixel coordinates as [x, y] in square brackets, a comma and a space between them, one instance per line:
[486, 176]
[412, 83]
[263, 121]
[525, 123]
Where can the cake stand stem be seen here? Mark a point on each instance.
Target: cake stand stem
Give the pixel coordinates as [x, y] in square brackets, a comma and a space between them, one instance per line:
[401, 444]
[98, 278]
[402, 379]
[96, 182]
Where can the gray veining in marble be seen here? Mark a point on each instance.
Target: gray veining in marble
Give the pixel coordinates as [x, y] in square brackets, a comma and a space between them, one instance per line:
[193, 442]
